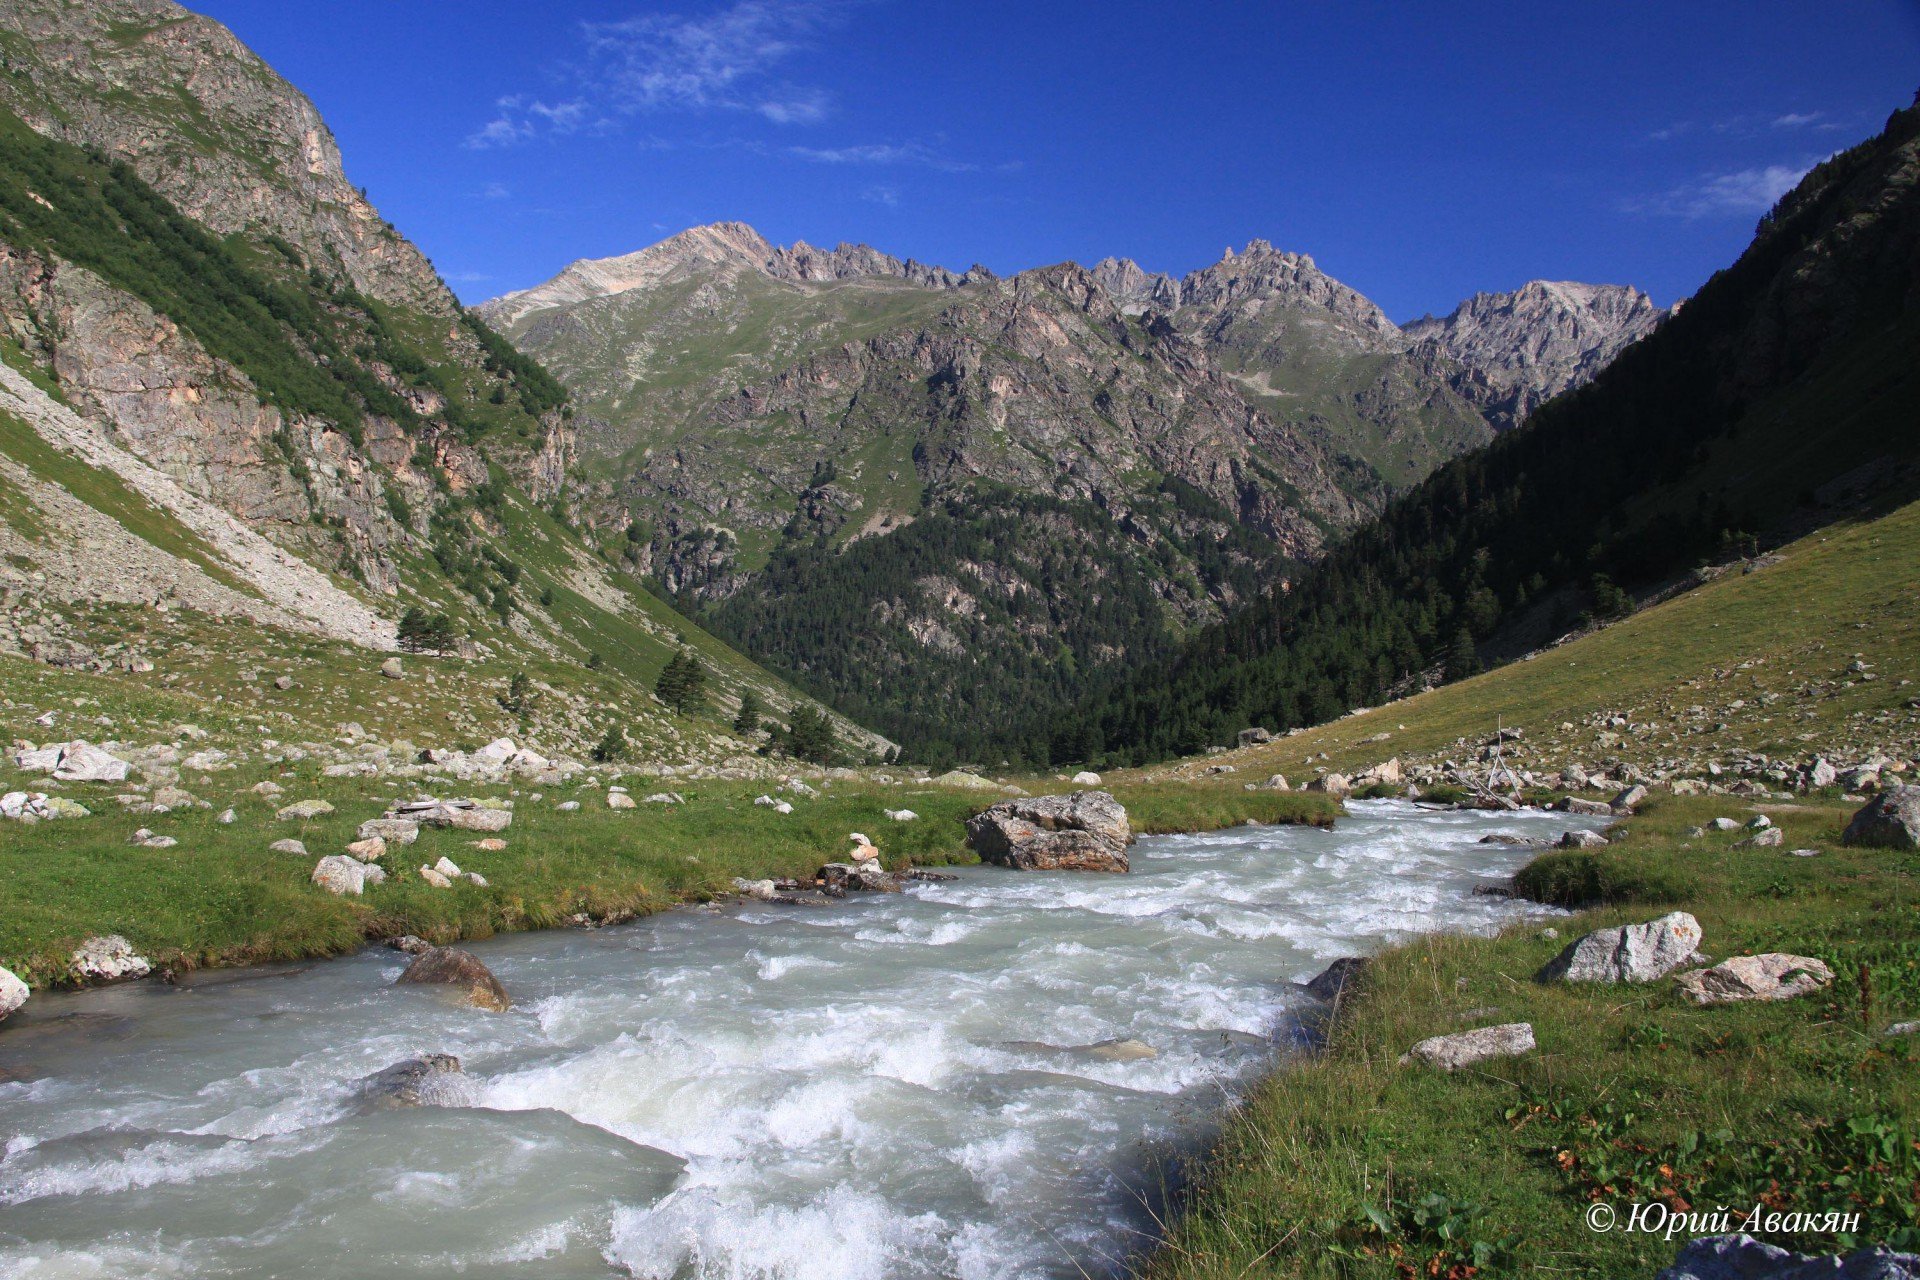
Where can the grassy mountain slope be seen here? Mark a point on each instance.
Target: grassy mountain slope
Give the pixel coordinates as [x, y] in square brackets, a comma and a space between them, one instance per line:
[256, 412]
[1352, 1165]
[1781, 397]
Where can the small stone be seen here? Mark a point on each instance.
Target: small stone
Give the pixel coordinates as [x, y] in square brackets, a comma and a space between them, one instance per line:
[391, 831]
[393, 669]
[1581, 839]
[492, 844]
[1771, 838]
[1086, 778]
[1464, 1048]
[372, 849]
[446, 868]
[434, 878]
[295, 847]
[228, 817]
[620, 800]
[302, 810]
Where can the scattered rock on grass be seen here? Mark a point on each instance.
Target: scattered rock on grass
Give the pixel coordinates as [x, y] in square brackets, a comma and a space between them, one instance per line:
[393, 831]
[301, 810]
[1770, 838]
[295, 847]
[1741, 1257]
[1086, 778]
[340, 874]
[1891, 820]
[1464, 1048]
[1773, 975]
[1630, 953]
[1582, 839]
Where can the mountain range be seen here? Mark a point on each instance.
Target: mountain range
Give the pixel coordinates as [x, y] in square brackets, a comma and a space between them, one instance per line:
[936, 496]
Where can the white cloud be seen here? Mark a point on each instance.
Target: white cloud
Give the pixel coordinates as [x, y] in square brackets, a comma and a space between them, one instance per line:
[496, 191]
[882, 154]
[804, 106]
[1742, 192]
[881, 194]
[470, 277]
[1796, 119]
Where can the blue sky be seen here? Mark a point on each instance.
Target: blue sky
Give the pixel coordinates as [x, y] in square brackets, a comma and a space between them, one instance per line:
[1420, 152]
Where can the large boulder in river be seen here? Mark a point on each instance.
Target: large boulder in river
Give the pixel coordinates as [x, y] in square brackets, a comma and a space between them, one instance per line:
[1083, 831]
[1630, 953]
[1891, 820]
[1332, 982]
[1741, 1257]
[430, 1080]
[13, 993]
[461, 972]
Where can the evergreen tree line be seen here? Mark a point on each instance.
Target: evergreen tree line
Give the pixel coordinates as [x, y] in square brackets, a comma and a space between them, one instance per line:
[1068, 593]
[1659, 464]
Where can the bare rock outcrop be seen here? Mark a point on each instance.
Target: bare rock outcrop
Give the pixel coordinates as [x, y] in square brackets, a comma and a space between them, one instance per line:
[1083, 831]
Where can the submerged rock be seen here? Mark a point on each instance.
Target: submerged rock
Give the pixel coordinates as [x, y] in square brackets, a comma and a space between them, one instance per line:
[1630, 953]
[461, 972]
[430, 1080]
[1084, 831]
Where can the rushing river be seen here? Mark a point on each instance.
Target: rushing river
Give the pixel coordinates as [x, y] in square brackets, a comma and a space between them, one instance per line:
[899, 1086]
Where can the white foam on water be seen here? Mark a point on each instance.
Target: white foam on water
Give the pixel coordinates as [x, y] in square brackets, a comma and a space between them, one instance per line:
[903, 1086]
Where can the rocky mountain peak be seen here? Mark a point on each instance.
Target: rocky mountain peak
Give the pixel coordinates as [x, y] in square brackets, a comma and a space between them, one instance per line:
[1527, 346]
[1135, 289]
[720, 247]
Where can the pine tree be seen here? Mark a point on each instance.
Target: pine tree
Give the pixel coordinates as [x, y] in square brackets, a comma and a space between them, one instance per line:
[809, 736]
[682, 683]
[611, 747]
[1463, 659]
[747, 722]
[519, 697]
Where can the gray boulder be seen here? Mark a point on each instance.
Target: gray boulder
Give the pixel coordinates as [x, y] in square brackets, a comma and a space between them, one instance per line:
[83, 762]
[462, 973]
[1629, 799]
[395, 831]
[338, 873]
[1331, 983]
[1765, 838]
[859, 877]
[1581, 839]
[1891, 820]
[301, 810]
[296, 847]
[1084, 831]
[1773, 975]
[1464, 1048]
[1741, 1257]
[108, 959]
[1630, 953]
[1591, 808]
[13, 993]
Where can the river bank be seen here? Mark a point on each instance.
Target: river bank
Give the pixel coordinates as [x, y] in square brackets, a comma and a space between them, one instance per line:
[220, 895]
[977, 1078]
[1354, 1165]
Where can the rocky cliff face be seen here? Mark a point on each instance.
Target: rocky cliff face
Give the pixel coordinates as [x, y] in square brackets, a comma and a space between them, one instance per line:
[209, 125]
[1518, 350]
